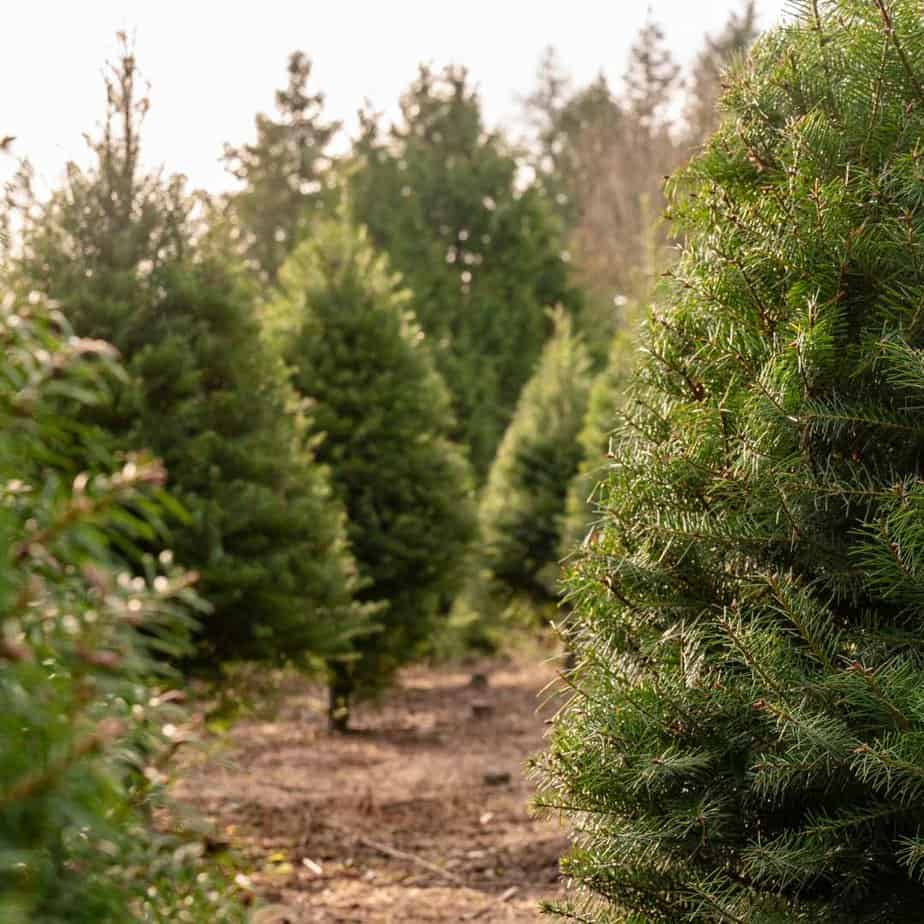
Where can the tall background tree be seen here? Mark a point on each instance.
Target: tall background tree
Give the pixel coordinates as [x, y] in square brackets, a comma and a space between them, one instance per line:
[285, 175]
[718, 53]
[745, 740]
[345, 327]
[440, 196]
[115, 248]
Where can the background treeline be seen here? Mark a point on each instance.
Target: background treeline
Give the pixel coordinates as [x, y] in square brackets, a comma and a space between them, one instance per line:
[379, 385]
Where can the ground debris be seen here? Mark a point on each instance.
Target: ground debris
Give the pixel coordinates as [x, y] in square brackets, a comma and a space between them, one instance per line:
[394, 822]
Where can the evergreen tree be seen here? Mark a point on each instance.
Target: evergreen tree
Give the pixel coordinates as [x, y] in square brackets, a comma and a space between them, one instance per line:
[603, 404]
[602, 154]
[85, 732]
[717, 54]
[346, 329]
[440, 196]
[113, 248]
[746, 738]
[285, 173]
[523, 504]
[650, 79]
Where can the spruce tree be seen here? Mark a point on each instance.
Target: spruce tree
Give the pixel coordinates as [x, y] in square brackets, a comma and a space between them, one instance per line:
[285, 172]
[745, 741]
[440, 196]
[522, 507]
[114, 247]
[345, 327]
[718, 53]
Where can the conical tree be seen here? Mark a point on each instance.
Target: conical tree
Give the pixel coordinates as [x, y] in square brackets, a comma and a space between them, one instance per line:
[344, 326]
[522, 509]
[285, 173]
[441, 196]
[603, 402]
[746, 741]
[114, 248]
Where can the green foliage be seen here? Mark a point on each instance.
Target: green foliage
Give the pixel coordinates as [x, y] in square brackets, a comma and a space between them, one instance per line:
[114, 248]
[285, 173]
[346, 329]
[523, 504]
[264, 530]
[441, 197]
[745, 741]
[603, 404]
[86, 722]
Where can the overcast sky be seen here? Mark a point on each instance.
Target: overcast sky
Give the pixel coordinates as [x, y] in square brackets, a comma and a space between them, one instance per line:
[212, 65]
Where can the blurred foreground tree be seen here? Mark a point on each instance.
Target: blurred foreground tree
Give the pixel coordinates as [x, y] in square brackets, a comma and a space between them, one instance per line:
[746, 737]
[86, 722]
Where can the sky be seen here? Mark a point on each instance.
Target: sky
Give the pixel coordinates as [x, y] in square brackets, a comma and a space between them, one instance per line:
[212, 65]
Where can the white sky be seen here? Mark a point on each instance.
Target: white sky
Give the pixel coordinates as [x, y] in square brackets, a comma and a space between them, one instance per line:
[212, 65]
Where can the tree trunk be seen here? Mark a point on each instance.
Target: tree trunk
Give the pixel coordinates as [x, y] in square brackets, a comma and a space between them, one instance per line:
[340, 689]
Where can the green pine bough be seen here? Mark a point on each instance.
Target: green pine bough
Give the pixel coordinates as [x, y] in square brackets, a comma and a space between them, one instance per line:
[89, 719]
[745, 737]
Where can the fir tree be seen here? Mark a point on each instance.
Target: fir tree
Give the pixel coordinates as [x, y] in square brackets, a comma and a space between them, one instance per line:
[523, 504]
[602, 155]
[285, 173]
[440, 197]
[745, 742]
[345, 327]
[114, 248]
[603, 404]
[718, 53]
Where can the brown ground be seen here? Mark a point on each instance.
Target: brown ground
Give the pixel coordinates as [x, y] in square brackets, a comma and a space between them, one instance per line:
[315, 816]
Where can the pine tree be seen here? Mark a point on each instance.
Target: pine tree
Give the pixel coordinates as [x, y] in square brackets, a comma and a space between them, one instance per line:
[345, 327]
[523, 504]
[717, 55]
[114, 248]
[746, 736]
[285, 173]
[603, 403]
[440, 196]
[602, 155]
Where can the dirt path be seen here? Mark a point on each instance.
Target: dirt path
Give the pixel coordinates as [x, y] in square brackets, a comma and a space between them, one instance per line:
[331, 825]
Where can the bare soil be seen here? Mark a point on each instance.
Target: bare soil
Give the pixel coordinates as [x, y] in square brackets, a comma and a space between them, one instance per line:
[420, 814]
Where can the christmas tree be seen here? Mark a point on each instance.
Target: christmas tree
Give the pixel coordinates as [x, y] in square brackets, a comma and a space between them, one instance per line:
[87, 725]
[522, 509]
[745, 740]
[440, 196]
[345, 327]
